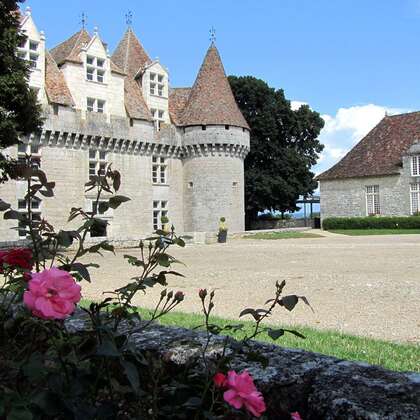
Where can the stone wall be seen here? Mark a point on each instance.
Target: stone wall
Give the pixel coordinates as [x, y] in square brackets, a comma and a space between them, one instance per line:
[319, 387]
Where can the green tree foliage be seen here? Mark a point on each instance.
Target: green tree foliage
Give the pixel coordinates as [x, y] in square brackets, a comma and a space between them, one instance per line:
[284, 147]
[19, 112]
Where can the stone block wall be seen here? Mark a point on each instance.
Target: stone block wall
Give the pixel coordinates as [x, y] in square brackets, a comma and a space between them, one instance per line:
[317, 386]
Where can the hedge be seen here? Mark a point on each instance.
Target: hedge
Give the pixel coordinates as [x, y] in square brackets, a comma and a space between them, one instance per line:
[371, 222]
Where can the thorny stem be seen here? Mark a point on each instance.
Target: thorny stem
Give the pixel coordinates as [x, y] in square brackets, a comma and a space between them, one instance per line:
[31, 228]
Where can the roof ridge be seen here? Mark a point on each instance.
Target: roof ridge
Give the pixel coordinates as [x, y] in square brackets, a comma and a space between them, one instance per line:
[402, 114]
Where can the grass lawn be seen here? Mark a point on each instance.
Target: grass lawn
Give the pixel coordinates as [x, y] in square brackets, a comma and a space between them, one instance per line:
[363, 232]
[402, 357]
[282, 235]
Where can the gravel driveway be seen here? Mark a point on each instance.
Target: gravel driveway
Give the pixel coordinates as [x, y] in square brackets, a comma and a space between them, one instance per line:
[366, 285]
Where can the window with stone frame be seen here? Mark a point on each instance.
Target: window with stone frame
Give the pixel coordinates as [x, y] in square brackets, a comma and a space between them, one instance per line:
[372, 200]
[35, 216]
[415, 198]
[415, 165]
[157, 84]
[158, 117]
[160, 209]
[159, 170]
[97, 162]
[95, 69]
[31, 150]
[28, 50]
[95, 105]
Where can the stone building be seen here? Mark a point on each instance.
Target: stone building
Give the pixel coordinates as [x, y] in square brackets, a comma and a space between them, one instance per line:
[180, 151]
[380, 175]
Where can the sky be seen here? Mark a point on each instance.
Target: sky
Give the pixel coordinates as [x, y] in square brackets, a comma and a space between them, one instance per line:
[349, 60]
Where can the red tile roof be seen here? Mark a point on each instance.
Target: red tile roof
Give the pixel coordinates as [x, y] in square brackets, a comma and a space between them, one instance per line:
[55, 85]
[134, 103]
[178, 98]
[380, 151]
[70, 49]
[211, 100]
[130, 55]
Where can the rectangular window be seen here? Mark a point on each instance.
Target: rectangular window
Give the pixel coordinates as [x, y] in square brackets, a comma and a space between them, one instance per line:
[158, 117]
[95, 69]
[160, 209]
[23, 228]
[89, 73]
[415, 165]
[33, 60]
[31, 150]
[27, 50]
[90, 104]
[152, 88]
[95, 105]
[372, 200]
[97, 162]
[415, 198]
[159, 170]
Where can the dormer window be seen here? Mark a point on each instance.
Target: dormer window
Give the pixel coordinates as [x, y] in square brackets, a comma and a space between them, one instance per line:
[415, 165]
[157, 84]
[28, 50]
[95, 69]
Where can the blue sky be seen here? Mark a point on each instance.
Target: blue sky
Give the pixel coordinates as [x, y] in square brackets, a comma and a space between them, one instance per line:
[349, 60]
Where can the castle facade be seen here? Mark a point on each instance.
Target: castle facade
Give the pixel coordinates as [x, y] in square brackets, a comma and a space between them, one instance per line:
[180, 151]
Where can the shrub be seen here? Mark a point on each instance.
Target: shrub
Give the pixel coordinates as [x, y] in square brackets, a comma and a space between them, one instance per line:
[370, 222]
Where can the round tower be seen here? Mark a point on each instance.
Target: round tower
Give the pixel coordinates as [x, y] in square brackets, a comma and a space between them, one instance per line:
[215, 143]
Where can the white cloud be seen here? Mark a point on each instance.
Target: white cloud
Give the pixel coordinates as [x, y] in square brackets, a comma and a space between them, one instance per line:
[344, 129]
[295, 105]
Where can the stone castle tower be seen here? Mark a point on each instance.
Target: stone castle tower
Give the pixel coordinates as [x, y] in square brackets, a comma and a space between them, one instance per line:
[180, 151]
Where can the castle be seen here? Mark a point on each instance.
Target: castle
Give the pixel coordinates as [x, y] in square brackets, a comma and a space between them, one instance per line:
[180, 151]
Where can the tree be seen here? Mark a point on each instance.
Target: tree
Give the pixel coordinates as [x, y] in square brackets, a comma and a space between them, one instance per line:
[19, 113]
[284, 147]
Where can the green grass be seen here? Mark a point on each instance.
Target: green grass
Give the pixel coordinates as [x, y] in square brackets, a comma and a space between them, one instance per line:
[400, 357]
[282, 235]
[363, 232]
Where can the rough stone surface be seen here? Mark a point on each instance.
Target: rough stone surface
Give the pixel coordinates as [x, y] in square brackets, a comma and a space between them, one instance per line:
[317, 386]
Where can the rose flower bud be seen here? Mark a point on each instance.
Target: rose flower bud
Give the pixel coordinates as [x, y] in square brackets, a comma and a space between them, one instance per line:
[179, 296]
[202, 293]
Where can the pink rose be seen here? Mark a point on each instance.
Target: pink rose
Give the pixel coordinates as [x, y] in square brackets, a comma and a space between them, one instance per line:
[242, 392]
[295, 416]
[17, 257]
[219, 380]
[52, 294]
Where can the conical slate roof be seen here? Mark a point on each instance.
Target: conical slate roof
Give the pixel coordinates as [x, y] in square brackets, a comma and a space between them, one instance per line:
[70, 49]
[130, 55]
[211, 100]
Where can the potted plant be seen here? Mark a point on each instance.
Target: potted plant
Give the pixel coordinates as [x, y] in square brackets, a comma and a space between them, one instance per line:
[222, 235]
[165, 224]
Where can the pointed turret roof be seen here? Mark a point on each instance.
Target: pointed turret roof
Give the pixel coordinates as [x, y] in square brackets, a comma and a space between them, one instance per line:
[211, 100]
[130, 55]
[70, 49]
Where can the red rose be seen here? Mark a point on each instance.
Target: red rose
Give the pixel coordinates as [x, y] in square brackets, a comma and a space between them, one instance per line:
[17, 257]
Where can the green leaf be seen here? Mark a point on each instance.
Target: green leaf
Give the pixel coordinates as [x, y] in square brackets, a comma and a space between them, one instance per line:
[3, 205]
[103, 206]
[289, 302]
[163, 260]
[12, 215]
[116, 200]
[275, 334]
[82, 270]
[132, 374]
[107, 348]
[296, 333]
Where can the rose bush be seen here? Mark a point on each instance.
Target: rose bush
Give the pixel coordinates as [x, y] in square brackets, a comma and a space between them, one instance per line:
[16, 258]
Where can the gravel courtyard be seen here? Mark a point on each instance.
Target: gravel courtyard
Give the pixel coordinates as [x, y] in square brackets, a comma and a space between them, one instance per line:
[366, 285]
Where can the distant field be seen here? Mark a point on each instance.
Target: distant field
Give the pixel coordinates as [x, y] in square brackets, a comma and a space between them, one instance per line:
[282, 235]
[363, 232]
